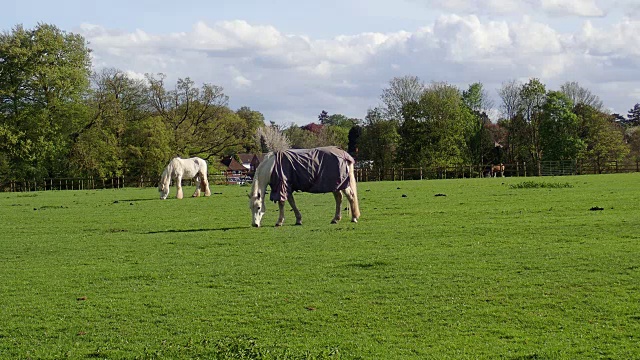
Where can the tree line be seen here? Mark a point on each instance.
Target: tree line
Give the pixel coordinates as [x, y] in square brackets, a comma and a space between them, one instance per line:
[438, 124]
[58, 118]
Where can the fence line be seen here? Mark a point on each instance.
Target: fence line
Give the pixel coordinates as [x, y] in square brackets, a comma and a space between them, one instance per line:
[518, 169]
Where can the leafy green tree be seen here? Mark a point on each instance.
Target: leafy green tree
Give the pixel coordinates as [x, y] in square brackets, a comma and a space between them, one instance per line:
[517, 139]
[477, 99]
[633, 140]
[146, 148]
[379, 140]
[435, 129]
[300, 138]
[44, 74]
[117, 102]
[480, 140]
[199, 118]
[603, 137]
[532, 98]
[253, 121]
[559, 129]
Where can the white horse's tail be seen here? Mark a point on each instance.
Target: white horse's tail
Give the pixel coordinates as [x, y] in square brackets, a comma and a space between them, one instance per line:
[355, 211]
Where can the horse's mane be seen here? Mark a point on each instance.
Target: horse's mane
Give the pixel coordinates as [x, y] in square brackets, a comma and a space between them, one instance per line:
[263, 173]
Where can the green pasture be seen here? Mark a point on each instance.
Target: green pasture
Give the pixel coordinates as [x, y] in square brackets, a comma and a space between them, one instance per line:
[437, 269]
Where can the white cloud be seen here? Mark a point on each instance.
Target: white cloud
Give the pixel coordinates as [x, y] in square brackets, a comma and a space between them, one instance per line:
[586, 8]
[581, 8]
[294, 77]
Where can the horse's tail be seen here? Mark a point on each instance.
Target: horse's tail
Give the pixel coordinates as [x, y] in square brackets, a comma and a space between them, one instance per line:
[355, 211]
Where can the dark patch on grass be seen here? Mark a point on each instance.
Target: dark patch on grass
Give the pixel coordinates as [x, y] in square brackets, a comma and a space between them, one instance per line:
[440, 195]
[596, 208]
[197, 230]
[115, 202]
[50, 207]
[117, 230]
[540, 185]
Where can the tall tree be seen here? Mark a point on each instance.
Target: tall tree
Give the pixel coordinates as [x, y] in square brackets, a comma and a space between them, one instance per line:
[603, 137]
[532, 98]
[480, 141]
[559, 129]
[116, 102]
[477, 98]
[510, 95]
[379, 140]
[580, 96]
[253, 120]
[436, 128]
[401, 91]
[200, 120]
[44, 74]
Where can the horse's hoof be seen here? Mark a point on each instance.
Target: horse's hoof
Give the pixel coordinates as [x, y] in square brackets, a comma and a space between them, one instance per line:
[278, 225]
[334, 221]
[298, 223]
[354, 220]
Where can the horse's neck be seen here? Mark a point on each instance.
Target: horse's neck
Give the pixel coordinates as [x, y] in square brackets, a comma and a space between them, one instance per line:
[263, 175]
[167, 174]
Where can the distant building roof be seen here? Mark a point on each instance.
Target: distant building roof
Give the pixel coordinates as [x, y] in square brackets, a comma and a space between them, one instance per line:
[232, 164]
[245, 158]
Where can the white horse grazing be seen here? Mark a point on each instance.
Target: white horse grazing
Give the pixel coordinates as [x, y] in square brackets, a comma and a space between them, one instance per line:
[319, 170]
[192, 168]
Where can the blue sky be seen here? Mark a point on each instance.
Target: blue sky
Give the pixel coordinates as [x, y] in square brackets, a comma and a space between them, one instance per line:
[292, 59]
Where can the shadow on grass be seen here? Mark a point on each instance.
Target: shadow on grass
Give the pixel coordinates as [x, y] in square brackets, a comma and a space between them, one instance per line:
[196, 230]
[129, 200]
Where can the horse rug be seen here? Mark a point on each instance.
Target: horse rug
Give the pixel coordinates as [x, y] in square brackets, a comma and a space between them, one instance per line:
[319, 170]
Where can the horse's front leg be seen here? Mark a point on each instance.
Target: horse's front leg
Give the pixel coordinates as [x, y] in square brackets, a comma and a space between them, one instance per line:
[292, 202]
[281, 216]
[179, 194]
[338, 196]
[197, 192]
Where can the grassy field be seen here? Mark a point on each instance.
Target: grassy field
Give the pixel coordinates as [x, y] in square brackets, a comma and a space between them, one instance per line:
[513, 268]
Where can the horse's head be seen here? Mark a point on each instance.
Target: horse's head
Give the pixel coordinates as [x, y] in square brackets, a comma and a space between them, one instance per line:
[163, 189]
[256, 204]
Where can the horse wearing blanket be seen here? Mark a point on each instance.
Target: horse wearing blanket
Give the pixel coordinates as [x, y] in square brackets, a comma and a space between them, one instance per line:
[319, 170]
[192, 168]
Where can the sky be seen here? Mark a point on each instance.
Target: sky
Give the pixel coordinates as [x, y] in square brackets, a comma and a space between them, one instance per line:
[292, 59]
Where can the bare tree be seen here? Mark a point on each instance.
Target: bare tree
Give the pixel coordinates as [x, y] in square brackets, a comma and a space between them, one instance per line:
[580, 95]
[401, 91]
[510, 95]
[270, 138]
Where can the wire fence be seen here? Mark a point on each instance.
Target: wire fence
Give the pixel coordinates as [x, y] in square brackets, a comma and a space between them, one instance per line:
[518, 169]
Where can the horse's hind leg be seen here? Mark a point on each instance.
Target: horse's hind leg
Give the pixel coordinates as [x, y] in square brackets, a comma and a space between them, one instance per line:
[292, 202]
[338, 196]
[351, 197]
[205, 186]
